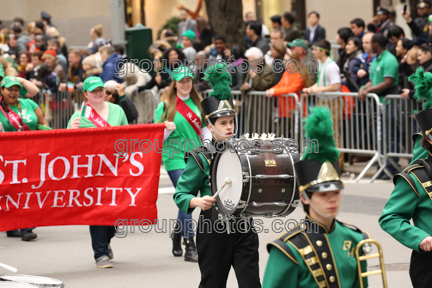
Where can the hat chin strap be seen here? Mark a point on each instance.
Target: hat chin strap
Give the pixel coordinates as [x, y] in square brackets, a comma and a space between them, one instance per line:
[314, 208]
[220, 134]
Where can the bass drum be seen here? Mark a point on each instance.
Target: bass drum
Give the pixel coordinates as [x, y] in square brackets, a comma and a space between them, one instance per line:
[263, 183]
[36, 281]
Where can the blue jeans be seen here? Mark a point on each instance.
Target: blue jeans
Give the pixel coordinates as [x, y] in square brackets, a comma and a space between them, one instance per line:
[26, 230]
[100, 238]
[184, 220]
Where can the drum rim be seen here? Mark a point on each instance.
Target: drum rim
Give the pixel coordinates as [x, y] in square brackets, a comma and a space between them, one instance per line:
[294, 187]
[250, 183]
[33, 276]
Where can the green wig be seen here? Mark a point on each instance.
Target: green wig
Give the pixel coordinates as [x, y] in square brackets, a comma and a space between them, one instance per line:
[423, 86]
[220, 80]
[319, 129]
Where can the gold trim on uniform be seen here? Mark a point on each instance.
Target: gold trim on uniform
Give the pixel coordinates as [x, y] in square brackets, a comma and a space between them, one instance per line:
[319, 243]
[324, 255]
[332, 279]
[223, 109]
[329, 267]
[306, 250]
[326, 173]
[318, 272]
[311, 261]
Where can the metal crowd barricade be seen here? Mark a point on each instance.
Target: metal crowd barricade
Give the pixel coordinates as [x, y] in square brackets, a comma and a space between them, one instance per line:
[398, 127]
[357, 124]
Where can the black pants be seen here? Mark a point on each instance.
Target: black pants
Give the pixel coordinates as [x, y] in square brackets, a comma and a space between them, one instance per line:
[218, 251]
[101, 237]
[420, 267]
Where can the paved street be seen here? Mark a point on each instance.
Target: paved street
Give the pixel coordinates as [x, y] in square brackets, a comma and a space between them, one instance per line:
[145, 259]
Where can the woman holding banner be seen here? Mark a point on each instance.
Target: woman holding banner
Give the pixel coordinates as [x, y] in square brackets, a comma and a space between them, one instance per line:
[19, 114]
[183, 108]
[97, 113]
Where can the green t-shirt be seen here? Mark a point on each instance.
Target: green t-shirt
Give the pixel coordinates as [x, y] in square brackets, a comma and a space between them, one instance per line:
[28, 115]
[183, 135]
[116, 117]
[385, 65]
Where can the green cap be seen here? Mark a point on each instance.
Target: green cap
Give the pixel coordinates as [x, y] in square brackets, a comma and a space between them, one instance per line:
[181, 73]
[298, 43]
[10, 81]
[92, 83]
[190, 34]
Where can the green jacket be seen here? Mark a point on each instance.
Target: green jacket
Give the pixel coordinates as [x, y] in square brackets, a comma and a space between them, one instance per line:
[410, 199]
[303, 258]
[194, 179]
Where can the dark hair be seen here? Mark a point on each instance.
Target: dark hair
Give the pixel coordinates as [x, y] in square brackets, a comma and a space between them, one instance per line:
[345, 33]
[43, 71]
[198, 45]
[54, 40]
[169, 33]
[16, 27]
[19, 19]
[314, 12]
[165, 57]
[289, 17]
[359, 22]
[395, 31]
[37, 54]
[355, 40]
[380, 39]
[276, 19]
[201, 25]
[405, 42]
[219, 37]
[39, 24]
[256, 27]
[426, 48]
[237, 52]
[277, 31]
[119, 48]
[425, 144]
[306, 206]
[184, 9]
[325, 45]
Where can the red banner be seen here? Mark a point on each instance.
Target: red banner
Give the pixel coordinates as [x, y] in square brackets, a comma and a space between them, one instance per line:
[76, 177]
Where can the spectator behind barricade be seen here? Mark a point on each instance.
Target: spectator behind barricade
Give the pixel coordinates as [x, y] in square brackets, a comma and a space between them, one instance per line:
[384, 79]
[395, 33]
[292, 81]
[238, 69]
[53, 44]
[259, 78]
[50, 58]
[144, 102]
[13, 48]
[22, 39]
[289, 31]
[329, 80]
[75, 71]
[220, 47]
[425, 59]
[98, 41]
[407, 60]
[114, 93]
[203, 32]
[381, 23]
[109, 59]
[314, 32]
[168, 36]
[420, 26]
[89, 66]
[361, 67]
[8, 68]
[185, 24]
[41, 42]
[54, 34]
[120, 50]
[23, 60]
[357, 26]
[253, 31]
[31, 27]
[46, 20]
[202, 65]
[308, 61]
[187, 38]
[342, 36]
[36, 60]
[275, 35]
[354, 54]
[276, 22]
[278, 51]
[250, 16]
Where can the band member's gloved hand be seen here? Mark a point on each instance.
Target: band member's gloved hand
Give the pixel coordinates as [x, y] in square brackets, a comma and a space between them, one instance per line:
[426, 244]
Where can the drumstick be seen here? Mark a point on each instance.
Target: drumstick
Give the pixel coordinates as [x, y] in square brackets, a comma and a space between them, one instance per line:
[10, 268]
[227, 181]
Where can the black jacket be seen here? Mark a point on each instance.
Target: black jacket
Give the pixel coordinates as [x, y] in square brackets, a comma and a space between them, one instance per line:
[319, 34]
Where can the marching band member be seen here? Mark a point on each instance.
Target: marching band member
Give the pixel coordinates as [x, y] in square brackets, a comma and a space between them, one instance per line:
[411, 197]
[218, 249]
[184, 119]
[319, 252]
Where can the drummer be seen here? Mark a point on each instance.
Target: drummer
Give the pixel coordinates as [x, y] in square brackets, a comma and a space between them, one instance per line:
[319, 253]
[223, 247]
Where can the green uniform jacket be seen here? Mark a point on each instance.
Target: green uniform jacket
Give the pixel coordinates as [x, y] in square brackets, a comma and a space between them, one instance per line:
[410, 199]
[194, 179]
[296, 266]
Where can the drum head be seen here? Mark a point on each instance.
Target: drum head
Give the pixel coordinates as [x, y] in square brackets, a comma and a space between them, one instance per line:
[30, 279]
[228, 165]
[9, 284]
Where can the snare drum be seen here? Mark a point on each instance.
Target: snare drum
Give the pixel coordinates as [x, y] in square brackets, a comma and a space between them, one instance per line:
[263, 181]
[37, 281]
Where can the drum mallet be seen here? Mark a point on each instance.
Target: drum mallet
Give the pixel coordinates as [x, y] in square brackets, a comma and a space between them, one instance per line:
[10, 268]
[227, 181]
